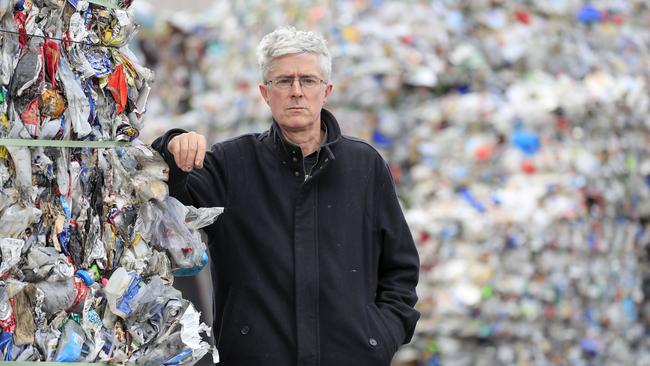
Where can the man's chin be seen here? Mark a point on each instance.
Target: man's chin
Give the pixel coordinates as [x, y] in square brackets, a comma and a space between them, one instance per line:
[295, 123]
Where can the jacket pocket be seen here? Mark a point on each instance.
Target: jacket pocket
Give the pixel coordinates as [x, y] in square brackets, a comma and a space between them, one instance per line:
[239, 330]
[379, 329]
[227, 320]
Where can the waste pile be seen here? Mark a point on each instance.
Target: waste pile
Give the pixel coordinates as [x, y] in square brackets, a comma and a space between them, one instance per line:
[517, 132]
[90, 240]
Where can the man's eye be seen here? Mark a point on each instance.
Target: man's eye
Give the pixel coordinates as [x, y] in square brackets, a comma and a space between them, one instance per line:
[308, 81]
[284, 82]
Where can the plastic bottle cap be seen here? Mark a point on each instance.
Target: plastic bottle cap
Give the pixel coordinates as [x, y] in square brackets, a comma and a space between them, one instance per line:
[85, 276]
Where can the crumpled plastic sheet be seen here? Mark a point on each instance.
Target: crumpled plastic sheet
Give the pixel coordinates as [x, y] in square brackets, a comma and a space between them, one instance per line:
[84, 275]
[17, 218]
[46, 264]
[171, 233]
[78, 106]
[10, 250]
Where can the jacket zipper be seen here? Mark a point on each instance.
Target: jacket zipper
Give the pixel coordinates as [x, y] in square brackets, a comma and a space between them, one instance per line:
[308, 175]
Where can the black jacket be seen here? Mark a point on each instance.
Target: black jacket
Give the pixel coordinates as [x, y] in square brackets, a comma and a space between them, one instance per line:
[306, 272]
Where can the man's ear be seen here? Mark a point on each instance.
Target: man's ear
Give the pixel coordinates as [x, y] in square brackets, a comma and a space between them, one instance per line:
[328, 91]
[264, 92]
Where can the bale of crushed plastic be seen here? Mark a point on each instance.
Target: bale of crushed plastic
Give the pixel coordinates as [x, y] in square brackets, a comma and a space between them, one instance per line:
[89, 238]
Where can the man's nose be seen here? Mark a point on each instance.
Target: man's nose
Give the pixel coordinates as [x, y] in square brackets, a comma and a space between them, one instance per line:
[296, 88]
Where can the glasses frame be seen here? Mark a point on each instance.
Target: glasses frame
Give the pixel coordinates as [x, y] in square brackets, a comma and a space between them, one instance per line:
[273, 82]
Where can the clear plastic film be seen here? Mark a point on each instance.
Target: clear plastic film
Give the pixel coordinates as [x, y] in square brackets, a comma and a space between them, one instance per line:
[185, 247]
[16, 218]
[9, 44]
[22, 159]
[78, 106]
[11, 250]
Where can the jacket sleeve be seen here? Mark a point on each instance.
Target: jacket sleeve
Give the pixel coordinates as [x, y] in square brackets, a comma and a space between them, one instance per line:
[206, 187]
[399, 262]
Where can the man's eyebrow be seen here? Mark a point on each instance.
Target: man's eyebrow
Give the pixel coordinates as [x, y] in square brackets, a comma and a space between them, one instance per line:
[299, 75]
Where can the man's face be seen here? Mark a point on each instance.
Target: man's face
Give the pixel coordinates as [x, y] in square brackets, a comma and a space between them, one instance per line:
[296, 108]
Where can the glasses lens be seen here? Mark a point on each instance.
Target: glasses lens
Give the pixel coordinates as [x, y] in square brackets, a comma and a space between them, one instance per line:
[309, 82]
[283, 83]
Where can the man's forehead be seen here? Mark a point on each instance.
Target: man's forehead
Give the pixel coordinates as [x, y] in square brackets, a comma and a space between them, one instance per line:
[296, 65]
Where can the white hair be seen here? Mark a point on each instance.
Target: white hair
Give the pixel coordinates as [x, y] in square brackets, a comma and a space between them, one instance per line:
[287, 40]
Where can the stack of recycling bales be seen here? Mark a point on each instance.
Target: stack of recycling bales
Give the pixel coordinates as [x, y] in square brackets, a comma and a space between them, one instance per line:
[89, 238]
[530, 190]
[518, 132]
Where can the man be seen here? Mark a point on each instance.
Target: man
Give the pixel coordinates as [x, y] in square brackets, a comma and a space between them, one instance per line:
[314, 263]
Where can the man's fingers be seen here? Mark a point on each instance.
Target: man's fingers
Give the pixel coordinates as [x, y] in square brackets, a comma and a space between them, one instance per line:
[191, 152]
[188, 150]
[183, 153]
[200, 152]
[173, 146]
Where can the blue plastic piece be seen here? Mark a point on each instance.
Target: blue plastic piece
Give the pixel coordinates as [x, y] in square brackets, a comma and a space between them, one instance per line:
[463, 89]
[85, 276]
[469, 198]
[64, 239]
[71, 349]
[124, 304]
[434, 361]
[381, 140]
[630, 309]
[178, 359]
[66, 206]
[527, 142]
[6, 342]
[186, 272]
[590, 346]
[588, 14]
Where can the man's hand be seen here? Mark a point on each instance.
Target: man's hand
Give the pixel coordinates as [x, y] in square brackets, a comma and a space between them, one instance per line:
[188, 150]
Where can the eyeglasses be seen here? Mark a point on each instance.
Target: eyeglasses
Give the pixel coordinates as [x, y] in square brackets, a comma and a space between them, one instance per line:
[306, 82]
